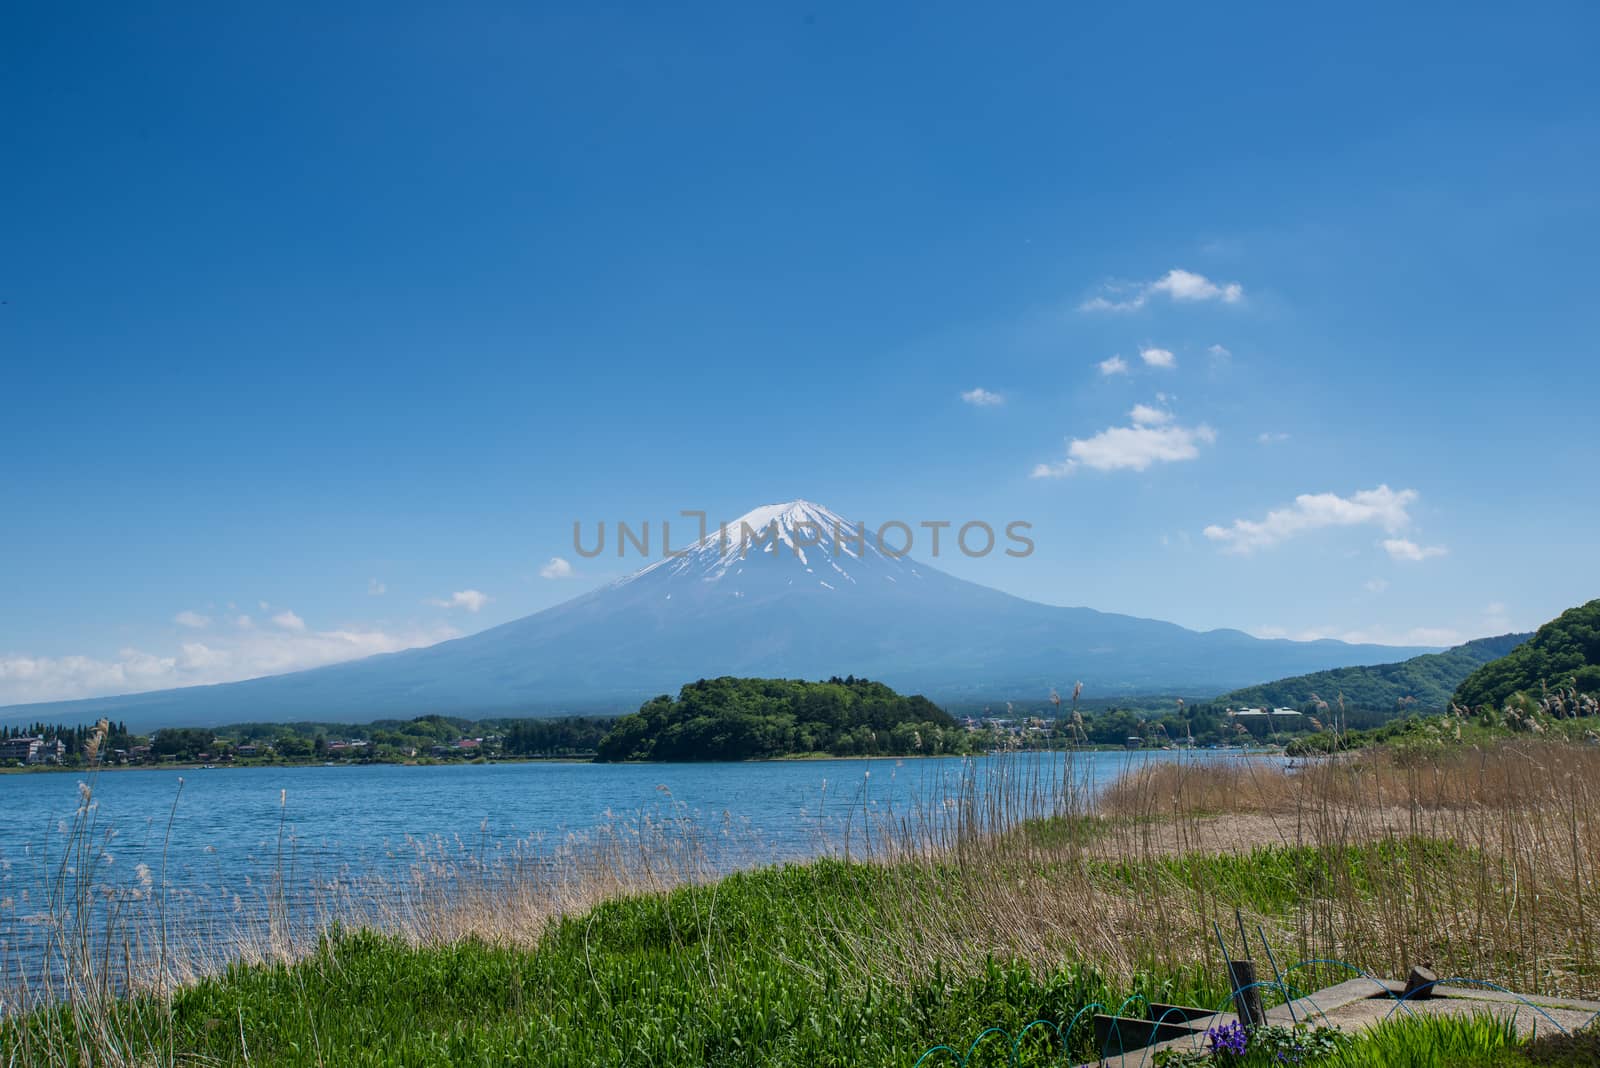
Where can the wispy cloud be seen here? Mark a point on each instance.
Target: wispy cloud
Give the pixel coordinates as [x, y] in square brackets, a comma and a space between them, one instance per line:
[1382, 507]
[193, 620]
[1178, 285]
[1272, 437]
[1113, 365]
[1378, 634]
[289, 621]
[1405, 549]
[376, 588]
[1150, 440]
[982, 398]
[557, 568]
[1493, 619]
[471, 600]
[1146, 415]
[222, 657]
[1376, 585]
[1155, 357]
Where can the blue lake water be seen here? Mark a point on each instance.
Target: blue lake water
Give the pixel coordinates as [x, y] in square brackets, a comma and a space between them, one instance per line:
[233, 831]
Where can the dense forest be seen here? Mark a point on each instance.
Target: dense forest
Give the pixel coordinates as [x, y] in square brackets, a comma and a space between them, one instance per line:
[752, 719]
[1562, 654]
[1422, 684]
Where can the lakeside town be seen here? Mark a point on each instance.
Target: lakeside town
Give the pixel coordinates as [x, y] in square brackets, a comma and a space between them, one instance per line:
[64, 748]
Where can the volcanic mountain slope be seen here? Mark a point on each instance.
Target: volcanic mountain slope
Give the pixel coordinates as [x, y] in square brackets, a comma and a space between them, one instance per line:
[796, 601]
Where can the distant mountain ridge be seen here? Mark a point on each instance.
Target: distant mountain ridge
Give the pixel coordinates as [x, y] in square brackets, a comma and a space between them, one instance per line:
[1423, 683]
[801, 604]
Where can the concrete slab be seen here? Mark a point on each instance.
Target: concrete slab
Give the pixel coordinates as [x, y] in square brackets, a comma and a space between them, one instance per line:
[1358, 1004]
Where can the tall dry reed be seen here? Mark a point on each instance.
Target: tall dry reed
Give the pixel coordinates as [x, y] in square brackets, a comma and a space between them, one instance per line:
[1481, 862]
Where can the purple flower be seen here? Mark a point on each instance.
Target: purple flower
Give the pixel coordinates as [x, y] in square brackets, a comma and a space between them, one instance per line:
[1229, 1038]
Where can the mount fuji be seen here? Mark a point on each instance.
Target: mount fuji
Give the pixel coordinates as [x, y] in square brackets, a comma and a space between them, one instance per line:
[785, 590]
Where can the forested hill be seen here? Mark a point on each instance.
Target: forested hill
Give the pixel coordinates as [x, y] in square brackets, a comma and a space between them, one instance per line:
[751, 719]
[1421, 684]
[1563, 653]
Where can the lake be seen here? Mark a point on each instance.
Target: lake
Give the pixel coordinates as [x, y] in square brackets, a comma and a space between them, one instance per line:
[216, 839]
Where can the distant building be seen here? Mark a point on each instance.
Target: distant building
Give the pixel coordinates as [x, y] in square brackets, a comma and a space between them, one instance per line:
[1134, 742]
[24, 749]
[31, 750]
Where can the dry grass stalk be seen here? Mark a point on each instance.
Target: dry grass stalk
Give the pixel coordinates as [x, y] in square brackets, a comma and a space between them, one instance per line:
[1481, 862]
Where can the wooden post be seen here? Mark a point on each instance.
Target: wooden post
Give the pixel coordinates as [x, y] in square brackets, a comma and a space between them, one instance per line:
[1420, 983]
[1246, 995]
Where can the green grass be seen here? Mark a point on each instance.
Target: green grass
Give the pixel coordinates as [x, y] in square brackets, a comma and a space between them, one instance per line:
[764, 967]
[1480, 1041]
[1272, 880]
[750, 971]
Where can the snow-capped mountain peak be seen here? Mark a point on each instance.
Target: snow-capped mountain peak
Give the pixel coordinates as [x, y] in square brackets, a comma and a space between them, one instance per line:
[812, 539]
[792, 590]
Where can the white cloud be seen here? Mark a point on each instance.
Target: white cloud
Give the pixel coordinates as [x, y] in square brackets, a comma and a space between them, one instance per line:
[223, 657]
[1493, 620]
[1113, 365]
[1272, 437]
[1101, 303]
[1131, 448]
[1374, 635]
[1382, 507]
[1187, 286]
[376, 588]
[1145, 415]
[1155, 357]
[1178, 285]
[198, 656]
[1219, 351]
[471, 600]
[982, 398]
[1376, 585]
[289, 621]
[1405, 549]
[195, 620]
[557, 568]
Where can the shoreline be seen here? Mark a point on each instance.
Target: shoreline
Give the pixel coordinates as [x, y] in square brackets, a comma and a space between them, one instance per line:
[56, 769]
[839, 936]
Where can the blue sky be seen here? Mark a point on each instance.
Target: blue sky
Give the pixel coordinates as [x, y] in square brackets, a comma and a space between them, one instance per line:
[321, 328]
